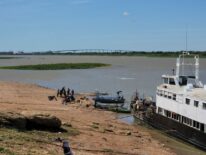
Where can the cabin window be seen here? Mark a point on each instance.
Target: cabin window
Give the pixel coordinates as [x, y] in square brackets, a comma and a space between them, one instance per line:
[204, 106]
[160, 92]
[187, 101]
[183, 119]
[174, 97]
[168, 113]
[169, 95]
[196, 103]
[202, 127]
[187, 121]
[175, 116]
[165, 94]
[160, 110]
[183, 81]
[196, 124]
[171, 81]
[166, 80]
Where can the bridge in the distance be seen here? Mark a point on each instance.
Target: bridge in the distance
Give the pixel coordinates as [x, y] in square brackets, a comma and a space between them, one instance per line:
[89, 50]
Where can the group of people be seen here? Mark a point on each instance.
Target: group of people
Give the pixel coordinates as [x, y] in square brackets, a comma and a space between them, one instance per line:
[68, 94]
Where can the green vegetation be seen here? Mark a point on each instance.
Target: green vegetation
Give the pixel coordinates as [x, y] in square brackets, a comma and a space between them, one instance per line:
[121, 110]
[10, 57]
[59, 66]
[137, 53]
[6, 151]
[103, 52]
[15, 142]
[108, 150]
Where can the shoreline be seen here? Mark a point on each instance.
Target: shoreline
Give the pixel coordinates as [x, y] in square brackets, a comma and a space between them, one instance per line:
[159, 54]
[97, 129]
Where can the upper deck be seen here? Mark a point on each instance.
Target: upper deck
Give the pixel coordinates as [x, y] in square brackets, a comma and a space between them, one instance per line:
[188, 90]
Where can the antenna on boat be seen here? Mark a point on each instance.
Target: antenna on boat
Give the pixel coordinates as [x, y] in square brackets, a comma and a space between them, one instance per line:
[184, 53]
[181, 59]
[180, 64]
[173, 71]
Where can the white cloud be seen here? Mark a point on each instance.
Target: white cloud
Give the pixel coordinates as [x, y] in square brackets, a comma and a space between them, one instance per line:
[125, 13]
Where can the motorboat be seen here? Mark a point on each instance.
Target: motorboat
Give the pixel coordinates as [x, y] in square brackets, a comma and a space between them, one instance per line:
[109, 101]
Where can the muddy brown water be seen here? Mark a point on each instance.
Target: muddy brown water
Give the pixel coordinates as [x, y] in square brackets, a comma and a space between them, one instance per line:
[126, 73]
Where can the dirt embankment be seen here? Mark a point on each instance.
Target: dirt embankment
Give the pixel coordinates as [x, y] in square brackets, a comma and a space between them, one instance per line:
[88, 130]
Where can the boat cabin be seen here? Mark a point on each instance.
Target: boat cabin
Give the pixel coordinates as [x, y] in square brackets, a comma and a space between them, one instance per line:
[179, 81]
[171, 80]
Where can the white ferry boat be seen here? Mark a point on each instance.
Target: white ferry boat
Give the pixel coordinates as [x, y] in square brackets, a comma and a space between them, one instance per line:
[180, 106]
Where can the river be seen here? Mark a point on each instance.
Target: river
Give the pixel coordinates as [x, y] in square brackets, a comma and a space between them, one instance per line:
[126, 73]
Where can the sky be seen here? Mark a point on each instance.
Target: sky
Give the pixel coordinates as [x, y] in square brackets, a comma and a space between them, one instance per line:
[148, 25]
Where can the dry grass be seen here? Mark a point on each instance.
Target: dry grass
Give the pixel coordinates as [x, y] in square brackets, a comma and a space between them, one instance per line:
[14, 142]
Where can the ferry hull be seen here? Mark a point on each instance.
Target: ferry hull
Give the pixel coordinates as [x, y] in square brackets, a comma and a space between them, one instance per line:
[175, 129]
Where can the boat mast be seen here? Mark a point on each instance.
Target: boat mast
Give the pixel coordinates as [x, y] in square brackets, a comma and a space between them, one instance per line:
[181, 64]
[178, 67]
[197, 68]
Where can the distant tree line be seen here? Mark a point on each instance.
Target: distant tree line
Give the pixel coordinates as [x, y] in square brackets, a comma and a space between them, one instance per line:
[115, 53]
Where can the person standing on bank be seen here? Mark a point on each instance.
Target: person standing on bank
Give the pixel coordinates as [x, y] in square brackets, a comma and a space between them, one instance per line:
[66, 148]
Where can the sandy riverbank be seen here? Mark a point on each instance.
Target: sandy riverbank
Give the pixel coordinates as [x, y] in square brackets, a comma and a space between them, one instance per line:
[98, 131]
